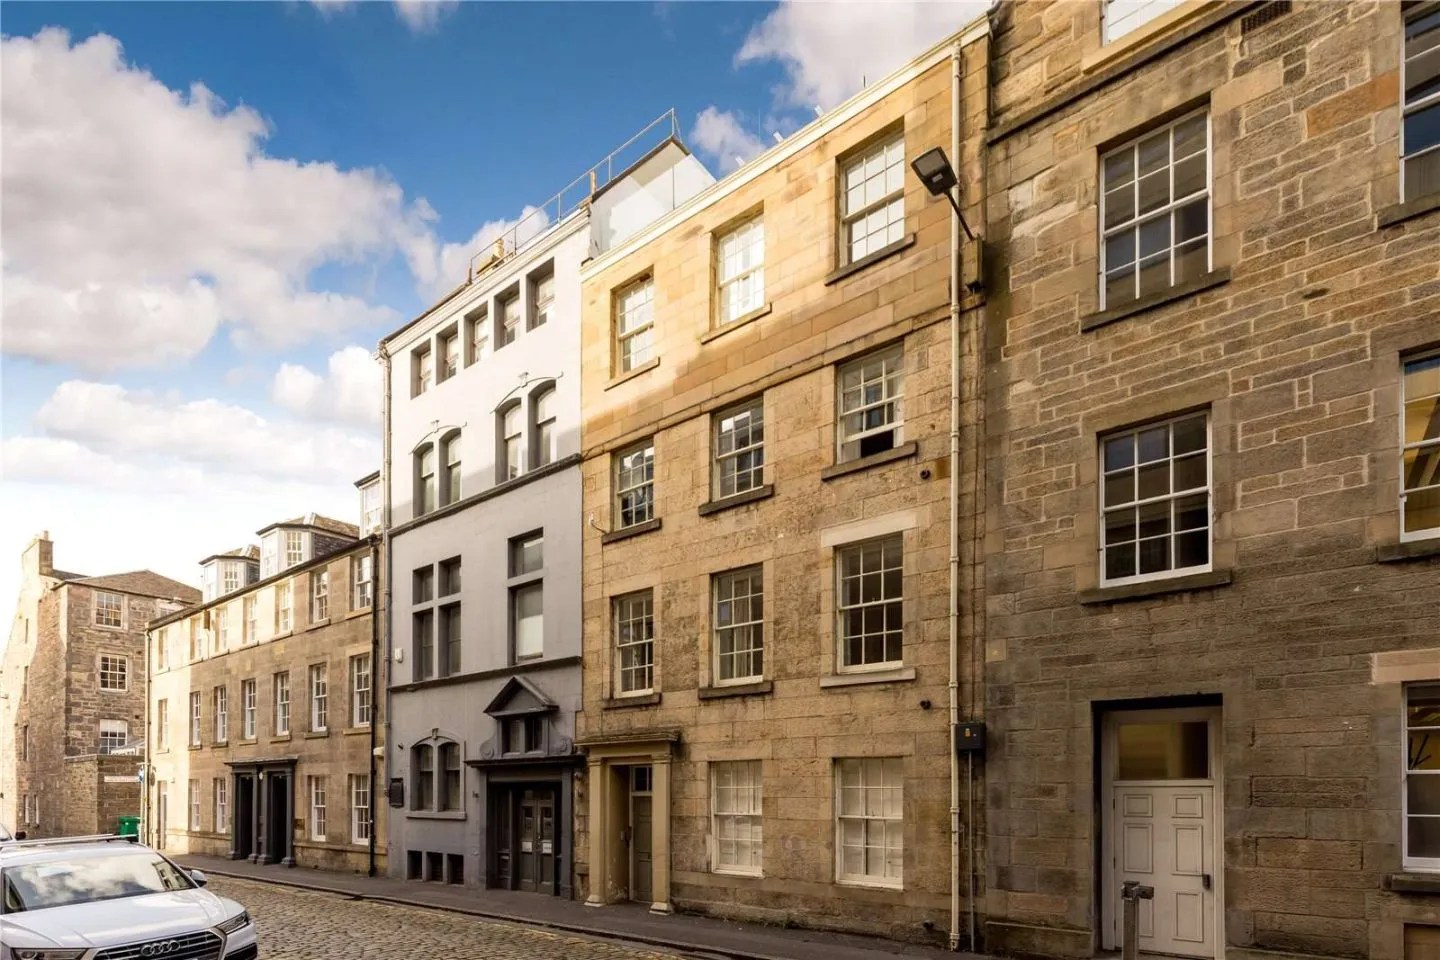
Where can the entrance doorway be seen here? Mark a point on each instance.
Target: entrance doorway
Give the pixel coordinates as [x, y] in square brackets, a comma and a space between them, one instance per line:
[535, 859]
[526, 838]
[1160, 826]
[242, 821]
[276, 818]
[642, 849]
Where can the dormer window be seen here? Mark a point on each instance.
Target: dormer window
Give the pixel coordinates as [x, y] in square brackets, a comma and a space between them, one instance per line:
[270, 554]
[229, 578]
[369, 509]
[294, 548]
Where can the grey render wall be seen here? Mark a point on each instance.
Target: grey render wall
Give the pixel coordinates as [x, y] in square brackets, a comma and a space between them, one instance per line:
[480, 536]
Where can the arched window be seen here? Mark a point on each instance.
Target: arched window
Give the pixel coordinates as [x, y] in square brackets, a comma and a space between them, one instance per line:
[450, 479]
[422, 792]
[542, 424]
[510, 437]
[424, 479]
[450, 777]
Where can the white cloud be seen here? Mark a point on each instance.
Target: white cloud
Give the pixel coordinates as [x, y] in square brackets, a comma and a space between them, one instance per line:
[134, 254]
[721, 135]
[422, 16]
[138, 429]
[826, 48]
[349, 392]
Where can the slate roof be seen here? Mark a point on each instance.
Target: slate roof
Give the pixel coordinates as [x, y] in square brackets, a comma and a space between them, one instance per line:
[146, 583]
[327, 524]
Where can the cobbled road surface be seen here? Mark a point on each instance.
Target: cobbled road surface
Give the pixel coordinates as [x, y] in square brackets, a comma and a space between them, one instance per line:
[309, 925]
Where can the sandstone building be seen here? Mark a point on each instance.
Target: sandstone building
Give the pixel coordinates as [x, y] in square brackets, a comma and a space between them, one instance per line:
[483, 520]
[72, 701]
[263, 715]
[1213, 477]
[768, 382]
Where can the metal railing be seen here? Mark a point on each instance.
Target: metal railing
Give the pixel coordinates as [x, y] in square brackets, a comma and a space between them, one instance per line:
[575, 194]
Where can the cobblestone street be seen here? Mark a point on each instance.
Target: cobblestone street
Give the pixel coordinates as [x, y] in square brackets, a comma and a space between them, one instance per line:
[304, 925]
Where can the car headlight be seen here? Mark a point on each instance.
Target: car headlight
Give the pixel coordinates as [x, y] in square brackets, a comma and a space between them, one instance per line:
[37, 953]
[237, 922]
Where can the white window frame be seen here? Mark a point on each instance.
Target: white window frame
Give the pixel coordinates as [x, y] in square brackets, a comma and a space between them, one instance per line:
[1137, 220]
[1171, 497]
[249, 692]
[363, 566]
[868, 769]
[319, 697]
[507, 327]
[112, 666]
[423, 360]
[737, 807]
[841, 607]
[525, 582]
[195, 806]
[360, 823]
[1426, 864]
[319, 595]
[723, 598]
[449, 355]
[622, 612]
[512, 441]
[222, 628]
[542, 292]
[1141, 15]
[229, 577]
[477, 326]
[162, 724]
[740, 271]
[1407, 108]
[270, 554]
[734, 453]
[426, 494]
[371, 509]
[221, 788]
[197, 730]
[889, 154]
[280, 682]
[361, 706]
[543, 414]
[220, 698]
[294, 548]
[632, 481]
[1432, 446]
[120, 727]
[284, 607]
[247, 613]
[634, 324]
[451, 445]
[109, 610]
[318, 818]
[853, 382]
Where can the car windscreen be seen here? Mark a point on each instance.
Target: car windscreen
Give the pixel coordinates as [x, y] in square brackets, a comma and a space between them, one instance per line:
[58, 883]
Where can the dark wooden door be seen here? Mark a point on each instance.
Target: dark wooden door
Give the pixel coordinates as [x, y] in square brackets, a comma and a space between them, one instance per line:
[535, 847]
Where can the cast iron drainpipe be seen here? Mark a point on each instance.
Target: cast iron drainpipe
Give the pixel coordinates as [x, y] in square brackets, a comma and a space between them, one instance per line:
[374, 673]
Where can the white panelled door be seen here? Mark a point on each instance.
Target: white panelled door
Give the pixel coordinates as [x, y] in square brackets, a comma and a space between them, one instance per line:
[1165, 839]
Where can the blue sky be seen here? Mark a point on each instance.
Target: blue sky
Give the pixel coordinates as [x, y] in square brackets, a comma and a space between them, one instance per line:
[212, 211]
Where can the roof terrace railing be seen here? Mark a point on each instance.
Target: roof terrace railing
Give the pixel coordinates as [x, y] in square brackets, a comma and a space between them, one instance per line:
[575, 194]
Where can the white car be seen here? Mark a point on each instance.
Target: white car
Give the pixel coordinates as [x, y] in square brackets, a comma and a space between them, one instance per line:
[109, 898]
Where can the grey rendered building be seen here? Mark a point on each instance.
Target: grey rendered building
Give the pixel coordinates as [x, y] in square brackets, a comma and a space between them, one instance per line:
[483, 523]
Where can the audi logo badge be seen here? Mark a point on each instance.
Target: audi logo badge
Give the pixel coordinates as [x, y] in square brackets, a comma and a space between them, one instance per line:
[159, 948]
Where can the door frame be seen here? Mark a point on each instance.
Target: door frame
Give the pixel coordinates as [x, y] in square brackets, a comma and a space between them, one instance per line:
[634, 833]
[1109, 894]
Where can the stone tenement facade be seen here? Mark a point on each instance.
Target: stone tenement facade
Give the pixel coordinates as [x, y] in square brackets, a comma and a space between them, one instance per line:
[1211, 614]
[73, 687]
[264, 715]
[767, 393]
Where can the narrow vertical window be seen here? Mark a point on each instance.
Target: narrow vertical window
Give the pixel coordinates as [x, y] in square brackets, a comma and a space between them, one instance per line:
[739, 449]
[740, 271]
[1420, 123]
[319, 697]
[509, 321]
[282, 703]
[871, 404]
[222, 714]
[359, 808]
[869, 603]
[872, 199]
[162, 729]
[870, 821]
[422, 370]
[511, 461]
[319, 596]
[284, 615]
[635, 484]
[1420, 448]
[449, 354]
[1155, 212]
[527, 596]
[477, 326]
[247, 613]
[739, 626]
[1155, 496]
[735, 821]
[364, 573]
[422, 789]
[451, 637]
[195, 718]
[1422, 777]
[222, 805]
[635, 642]
[247, 709]
[222, 628]
[424, 645]
[450, 770]
[425, 479]
[317, 808]
[542, 296]
[450, 489]
[542, 407]
[194, 795]
[360, 690]
[634, 325]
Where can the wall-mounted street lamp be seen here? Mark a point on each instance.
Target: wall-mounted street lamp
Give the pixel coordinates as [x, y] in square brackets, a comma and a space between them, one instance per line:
[933, 170]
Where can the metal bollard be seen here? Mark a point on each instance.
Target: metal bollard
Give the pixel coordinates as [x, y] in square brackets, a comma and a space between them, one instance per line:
[1131, 893]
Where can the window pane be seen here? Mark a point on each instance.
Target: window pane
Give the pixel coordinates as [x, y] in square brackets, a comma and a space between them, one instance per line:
[1176, 750]
[1423, 836]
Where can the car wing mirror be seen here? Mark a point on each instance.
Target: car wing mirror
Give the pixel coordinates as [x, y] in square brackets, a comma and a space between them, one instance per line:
[199, 877]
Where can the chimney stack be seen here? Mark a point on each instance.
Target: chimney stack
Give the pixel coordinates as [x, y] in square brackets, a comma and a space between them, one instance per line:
[39, 557]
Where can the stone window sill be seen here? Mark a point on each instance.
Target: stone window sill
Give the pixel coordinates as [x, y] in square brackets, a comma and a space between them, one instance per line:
[884, 253]
[197, 746]
[247, 741]
[355, 731]
[1409, 210]
[737, 323]
[317, 624]
[1209, 281]
[893, 675]
[316, 734]
[359, 612]
[282, 738]
[739, 499]
[625, 533]
[1407, 550]
[736, 690]
[435, 814]
[902, 452]
[628, 375]
[1155, 588]
[1411, 882]
[625, 703]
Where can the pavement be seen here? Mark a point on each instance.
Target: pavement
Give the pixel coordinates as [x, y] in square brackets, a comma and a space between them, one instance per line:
[689, 935]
